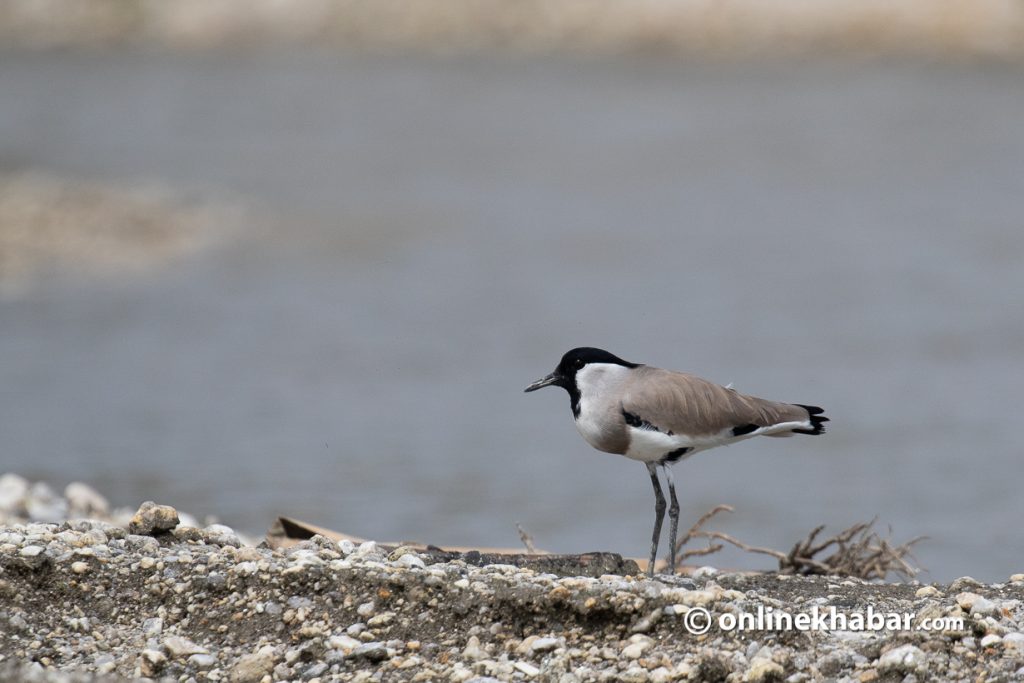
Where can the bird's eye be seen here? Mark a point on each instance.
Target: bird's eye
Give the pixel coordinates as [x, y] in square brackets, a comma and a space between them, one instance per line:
[578, 363]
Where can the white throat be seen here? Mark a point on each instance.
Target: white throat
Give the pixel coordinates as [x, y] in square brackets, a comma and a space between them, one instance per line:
[599, 382]
[600, 387]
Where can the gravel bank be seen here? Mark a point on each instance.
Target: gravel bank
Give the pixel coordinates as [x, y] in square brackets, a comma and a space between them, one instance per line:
[51, 226]
[92, 600]
[737, 28]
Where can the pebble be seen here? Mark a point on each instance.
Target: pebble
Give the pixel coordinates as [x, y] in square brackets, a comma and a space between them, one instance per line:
[85, 501]
[544, 645]
[906, 659]
[526, 668]
[991, 640]
[152, 519]
[251, 668]
[1014, 641]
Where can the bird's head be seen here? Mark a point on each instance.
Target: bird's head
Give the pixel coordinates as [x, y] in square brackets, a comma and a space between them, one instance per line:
[572, 362]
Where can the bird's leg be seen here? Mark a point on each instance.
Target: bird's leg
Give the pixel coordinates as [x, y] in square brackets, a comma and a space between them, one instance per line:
[659, 515]
[673, 520]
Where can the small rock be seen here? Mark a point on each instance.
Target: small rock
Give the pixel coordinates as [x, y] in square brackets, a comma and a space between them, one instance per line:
[705, 572]
[344, 643]
[31, 551]
[79, 567]
[1014, 640]
[927, 592]
[85, 501]
[152, 519]
[219, 534]
[991, 640]
[13, 490]
[315, 671]
[763, 669]
[179, 647]
[251, 668]
[366, 609]
[43, 505]
[661, 675]
[1016, 578]
[544, 644]
[410, 561]
[637, 646]
[473, 651]
[527, 668]
[374, 652]
[906, 659]
[202, 661]
[151, 662]
[634, 674]
[964, 582]
[153, 627]
[984, 607]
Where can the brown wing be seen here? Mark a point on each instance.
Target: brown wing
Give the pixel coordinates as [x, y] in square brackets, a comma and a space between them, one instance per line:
[685, 404]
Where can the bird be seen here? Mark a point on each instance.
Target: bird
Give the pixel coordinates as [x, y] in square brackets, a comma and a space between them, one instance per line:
[660, 417]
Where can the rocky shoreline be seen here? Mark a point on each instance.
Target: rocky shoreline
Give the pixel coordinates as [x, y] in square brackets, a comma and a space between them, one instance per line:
[86, 600]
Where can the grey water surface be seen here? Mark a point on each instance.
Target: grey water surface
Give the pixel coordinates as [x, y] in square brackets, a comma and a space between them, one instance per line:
[843, 234]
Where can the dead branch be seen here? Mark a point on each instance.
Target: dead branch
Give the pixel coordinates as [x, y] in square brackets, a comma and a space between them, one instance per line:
[527, 540]
[856, 551]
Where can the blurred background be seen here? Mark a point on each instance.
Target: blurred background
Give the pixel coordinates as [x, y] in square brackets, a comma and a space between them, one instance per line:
[302, 258]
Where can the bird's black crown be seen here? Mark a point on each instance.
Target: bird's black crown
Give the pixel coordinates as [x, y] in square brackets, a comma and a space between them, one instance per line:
[573, 360]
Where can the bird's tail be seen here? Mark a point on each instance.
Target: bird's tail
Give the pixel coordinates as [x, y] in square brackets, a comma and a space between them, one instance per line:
[817, 420]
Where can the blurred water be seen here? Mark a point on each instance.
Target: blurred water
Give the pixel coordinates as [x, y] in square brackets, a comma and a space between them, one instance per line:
[848, 235]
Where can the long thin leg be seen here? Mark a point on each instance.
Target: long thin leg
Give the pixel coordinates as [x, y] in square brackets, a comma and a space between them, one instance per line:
[659, 515]
[673, 520]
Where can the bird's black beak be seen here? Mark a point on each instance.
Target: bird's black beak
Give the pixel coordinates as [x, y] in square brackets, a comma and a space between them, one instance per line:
[553, 378]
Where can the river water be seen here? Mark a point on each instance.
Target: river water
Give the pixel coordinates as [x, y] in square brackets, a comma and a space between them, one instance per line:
[439, 231]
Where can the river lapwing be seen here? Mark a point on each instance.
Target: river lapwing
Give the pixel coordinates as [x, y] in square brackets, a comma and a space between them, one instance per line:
[660, 417]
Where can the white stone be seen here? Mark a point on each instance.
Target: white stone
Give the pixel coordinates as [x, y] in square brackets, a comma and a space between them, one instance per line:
[983, 606]
[544, 644]
[79, 567]
[202, 661]
[705, 572]
[636, 649]
[927, 592]
[344, 643]
[905, 658]
[178, 647]
[13, 490]
[409, 560]
[1014, 640]
[991, 640]
[762, 669]
[527, 668]
[367, 548]
[31, 551]
[473, 651]
[85, 501]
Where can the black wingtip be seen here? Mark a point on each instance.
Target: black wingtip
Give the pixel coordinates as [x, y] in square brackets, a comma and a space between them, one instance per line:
[817, 420]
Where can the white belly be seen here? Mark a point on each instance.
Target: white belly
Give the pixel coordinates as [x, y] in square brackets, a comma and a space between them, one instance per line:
[647, 445]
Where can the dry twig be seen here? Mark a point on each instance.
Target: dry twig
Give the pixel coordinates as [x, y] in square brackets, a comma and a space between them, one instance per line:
[527, 539]
[858, 551]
